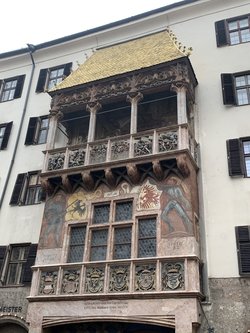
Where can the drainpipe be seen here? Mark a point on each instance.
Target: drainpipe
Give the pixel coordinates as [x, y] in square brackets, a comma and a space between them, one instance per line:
[31, 50]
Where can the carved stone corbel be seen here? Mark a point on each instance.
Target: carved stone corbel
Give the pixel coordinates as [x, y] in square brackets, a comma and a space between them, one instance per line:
[88, 180]
[183, 166]
[66, 184]
[47, 186]
[110, 177]
[133, 173]
[158, 170]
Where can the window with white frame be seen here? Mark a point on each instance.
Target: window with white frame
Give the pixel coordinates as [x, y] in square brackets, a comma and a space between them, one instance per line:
[15, 263]
[236, 88]
[5, 130]
[50, 77]
[27, 189]
[233, 31]
[11, 88]
[238, 152]
[37, 131]
[112, 234]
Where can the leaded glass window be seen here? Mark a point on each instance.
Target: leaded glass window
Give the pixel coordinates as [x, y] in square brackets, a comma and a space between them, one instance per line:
[123, 211]
[147, 237]
[122, 243]
[99, 244]
[101, 214]
[77, 242]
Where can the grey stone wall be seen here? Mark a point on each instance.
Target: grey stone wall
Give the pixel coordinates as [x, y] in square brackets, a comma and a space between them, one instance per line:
[13, 301]
[228, 309]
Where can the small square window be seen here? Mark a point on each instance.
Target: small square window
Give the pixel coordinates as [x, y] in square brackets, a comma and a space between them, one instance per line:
[101, 214]
[123, 211]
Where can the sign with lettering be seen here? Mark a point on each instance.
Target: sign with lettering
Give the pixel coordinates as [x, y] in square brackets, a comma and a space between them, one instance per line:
[10, 309]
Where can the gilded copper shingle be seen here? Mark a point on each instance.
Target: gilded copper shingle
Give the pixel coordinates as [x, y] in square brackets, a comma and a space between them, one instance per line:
[125, 57]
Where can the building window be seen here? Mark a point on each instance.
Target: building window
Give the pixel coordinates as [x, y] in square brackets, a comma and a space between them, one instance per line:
[5, 130]
[15, 263]
[243, 249]
[27, 189]
[112, 234]
[37, 131]
[11, 88]
[236, 88]
[233, 31]
[49, 77]
[238, 152]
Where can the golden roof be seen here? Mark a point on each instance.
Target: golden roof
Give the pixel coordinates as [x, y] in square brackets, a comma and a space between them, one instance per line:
[125, 57]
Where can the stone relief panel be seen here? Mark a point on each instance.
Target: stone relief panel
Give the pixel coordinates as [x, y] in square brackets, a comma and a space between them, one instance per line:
[119, 278]
[48, 283]
[94, 280]
[172, 276]
[70, 282]
[145, 277]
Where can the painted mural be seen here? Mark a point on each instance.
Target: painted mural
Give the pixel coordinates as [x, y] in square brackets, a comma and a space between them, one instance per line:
[176, 210]
[54, 212]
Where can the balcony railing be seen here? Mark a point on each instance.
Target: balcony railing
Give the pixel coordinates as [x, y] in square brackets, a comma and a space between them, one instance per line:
[134, 276]
[125, 147]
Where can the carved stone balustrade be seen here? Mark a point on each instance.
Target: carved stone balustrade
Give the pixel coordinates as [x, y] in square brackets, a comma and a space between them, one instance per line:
[135, 146]
[132, 276]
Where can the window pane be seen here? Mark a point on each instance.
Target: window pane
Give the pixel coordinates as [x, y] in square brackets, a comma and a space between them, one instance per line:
[247, 161]
[123, 211]
[232, 25]
[240, 81]
[33, 179]
[245, 35]
[2, 130]
[45, 122]
[234, 37]
[12, 274]
[246, 146]
[77, 242]
[243, 23]
[42, 136]
[101, 214]
[147, 238]
[99, 245]
[242, 96]
[122, 243]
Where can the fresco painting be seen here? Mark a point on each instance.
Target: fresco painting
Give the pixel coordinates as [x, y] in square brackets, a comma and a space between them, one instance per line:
[176, 209]
[52, 226]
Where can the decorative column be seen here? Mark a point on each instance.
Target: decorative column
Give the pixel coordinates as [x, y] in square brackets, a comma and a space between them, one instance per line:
[181, 90]
[92, 108]
[54, 117]
[134, 99]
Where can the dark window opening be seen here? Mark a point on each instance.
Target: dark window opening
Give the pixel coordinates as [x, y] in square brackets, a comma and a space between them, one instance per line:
[157, 110]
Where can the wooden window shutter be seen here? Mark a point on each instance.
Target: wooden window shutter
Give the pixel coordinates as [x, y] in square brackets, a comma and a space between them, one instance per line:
[6, 135]
[234, 156]
[17, 191]
[27, 274]
[19, 86]
[41, 80]
[228, 91]
[67, 69]
[31, 132]
[221, 33]
[243, 248]
[2, 256]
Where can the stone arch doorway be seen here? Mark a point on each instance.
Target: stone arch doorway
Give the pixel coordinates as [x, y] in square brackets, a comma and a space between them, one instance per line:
[11, 328]
[109, 327]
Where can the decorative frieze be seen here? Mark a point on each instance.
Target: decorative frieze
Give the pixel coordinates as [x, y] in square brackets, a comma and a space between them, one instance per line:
[162, 76]
[76, 158]
[119, 150]
[143, 145]
[98, 153]
[168, 141]
[56, 161]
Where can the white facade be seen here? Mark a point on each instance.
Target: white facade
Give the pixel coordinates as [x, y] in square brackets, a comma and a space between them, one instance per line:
[223, 199]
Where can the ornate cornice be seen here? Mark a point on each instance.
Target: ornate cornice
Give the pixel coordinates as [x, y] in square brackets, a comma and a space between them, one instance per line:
[177, 74]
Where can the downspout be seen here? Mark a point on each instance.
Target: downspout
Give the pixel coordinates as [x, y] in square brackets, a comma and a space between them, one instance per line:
[31, 49]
